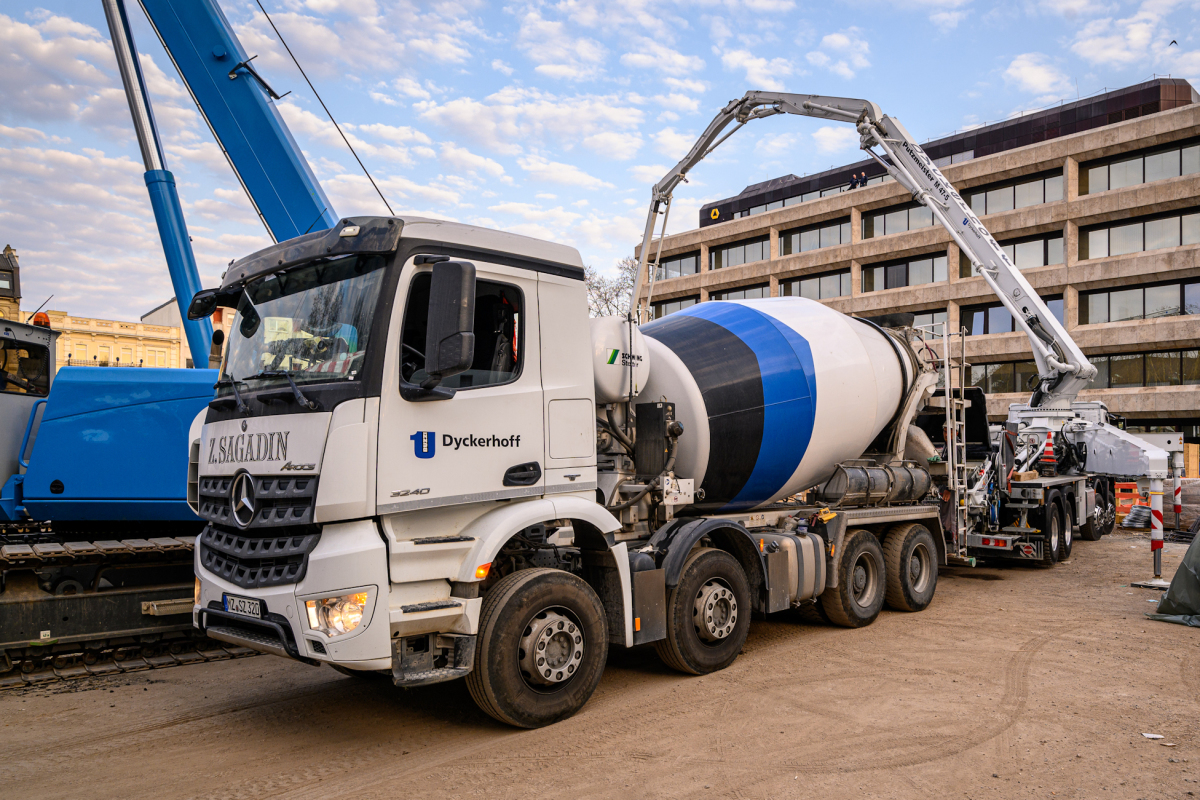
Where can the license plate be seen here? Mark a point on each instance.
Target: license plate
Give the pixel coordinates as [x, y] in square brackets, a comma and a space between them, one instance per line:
[245, 606]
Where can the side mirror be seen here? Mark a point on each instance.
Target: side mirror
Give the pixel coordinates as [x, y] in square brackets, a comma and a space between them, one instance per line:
[450, 335]
[203, 304]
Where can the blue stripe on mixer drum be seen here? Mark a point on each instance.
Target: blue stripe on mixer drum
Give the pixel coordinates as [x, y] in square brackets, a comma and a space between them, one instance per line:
[787, 405]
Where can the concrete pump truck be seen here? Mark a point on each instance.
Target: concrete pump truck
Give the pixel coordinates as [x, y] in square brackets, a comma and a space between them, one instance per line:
[423, 460]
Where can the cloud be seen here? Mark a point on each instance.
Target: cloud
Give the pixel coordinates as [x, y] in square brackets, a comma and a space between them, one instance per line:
[1126, 42]
[653, 55]
[1071, 9]
[500, 66]
[463, 159]
[671, 143]
[778, 144]
[557, 54]
[841, 53]
[687, 85]
[947, 20]
[614, 145]
[835, 139]
[546, 171]
[411, 88]
[1036, 74]
[648, 174]
[515, 118]
[761, 73]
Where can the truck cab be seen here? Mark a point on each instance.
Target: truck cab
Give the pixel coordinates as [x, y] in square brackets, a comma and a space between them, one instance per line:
[355, 501]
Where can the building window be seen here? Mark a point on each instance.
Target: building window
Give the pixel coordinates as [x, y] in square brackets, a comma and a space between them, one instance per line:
[126, 355]
[946, 161]
[156, 357]
[1035, 251]
[735, 254]
[1143, 167]
[664, 307]
[80, 351]
[897, 219]
[1010, 376]
[910, 272]
[926, 318]
[6, 281]
[994, 317]
[743, 293]
[1135, 236]
[1134, 370]
[818, 287]
[1021, 193]
[675, 266]
[813, 237]
[1139, 302]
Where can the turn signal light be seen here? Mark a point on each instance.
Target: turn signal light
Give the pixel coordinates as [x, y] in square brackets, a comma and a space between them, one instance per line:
[482, 570]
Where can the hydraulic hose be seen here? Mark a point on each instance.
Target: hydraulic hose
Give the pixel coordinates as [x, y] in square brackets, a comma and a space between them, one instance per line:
[650, 484]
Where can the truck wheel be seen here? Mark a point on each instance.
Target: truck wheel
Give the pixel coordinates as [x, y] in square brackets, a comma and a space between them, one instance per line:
[708, 614]
[912, 569]
[1101, 523]
[542, 645]
[1068, 530]
[862, 582]
[1052, 529]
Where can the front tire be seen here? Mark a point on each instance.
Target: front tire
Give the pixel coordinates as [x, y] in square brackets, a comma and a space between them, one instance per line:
[543, 642]
[912, 567]
[862, 582]
[708, 614]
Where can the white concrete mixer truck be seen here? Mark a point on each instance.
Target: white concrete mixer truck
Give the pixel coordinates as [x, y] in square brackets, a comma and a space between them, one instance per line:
[424, 460]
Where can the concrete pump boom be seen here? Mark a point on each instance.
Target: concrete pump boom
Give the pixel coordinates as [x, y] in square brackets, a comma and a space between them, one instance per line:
[1063, 370]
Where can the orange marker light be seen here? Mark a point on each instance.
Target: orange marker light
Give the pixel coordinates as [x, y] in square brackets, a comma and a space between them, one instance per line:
[41, 319]
[482, 570]
[637, 623]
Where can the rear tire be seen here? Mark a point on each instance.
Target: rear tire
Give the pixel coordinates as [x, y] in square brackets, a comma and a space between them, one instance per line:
[1052, 531]
[1103, 518]
[534, 610]
[862, 582]
[708, 614]
[1068, 535]
[910, 556]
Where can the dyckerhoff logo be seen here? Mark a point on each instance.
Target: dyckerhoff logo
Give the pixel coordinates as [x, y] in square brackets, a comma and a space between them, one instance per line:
[243, 448]
[425, 442]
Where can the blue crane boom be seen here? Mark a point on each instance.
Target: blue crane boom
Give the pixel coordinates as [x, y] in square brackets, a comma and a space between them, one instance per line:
[239, 107]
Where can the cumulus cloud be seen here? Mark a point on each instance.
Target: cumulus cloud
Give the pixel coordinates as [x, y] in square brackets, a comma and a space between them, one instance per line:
[1036, 73]
[835, 139]
[761, 73]
[558, 54]
[842, 53]
[654, 55]
[515, 117]
[1139, 39]
[672, 143]
[546, 171]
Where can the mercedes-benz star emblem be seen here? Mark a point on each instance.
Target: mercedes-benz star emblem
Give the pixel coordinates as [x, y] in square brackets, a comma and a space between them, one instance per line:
[241, 499]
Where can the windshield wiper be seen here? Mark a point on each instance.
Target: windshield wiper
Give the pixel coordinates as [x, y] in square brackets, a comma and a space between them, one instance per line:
[300, 398]
[232, 383]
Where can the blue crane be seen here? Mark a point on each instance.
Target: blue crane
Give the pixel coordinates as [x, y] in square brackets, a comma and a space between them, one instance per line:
[93, 517]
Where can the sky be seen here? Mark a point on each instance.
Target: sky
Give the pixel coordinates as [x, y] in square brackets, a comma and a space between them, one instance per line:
[549, 119]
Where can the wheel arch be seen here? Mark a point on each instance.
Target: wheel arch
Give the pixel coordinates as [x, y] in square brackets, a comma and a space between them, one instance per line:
[676, 540]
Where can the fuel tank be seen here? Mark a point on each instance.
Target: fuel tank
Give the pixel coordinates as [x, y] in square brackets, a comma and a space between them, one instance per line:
[773, 394]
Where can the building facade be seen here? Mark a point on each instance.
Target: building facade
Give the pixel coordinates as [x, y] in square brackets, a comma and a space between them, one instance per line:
[1097, 202]
[155, 341]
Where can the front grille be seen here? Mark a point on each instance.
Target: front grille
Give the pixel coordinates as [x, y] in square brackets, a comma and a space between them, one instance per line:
[278, 500]
[253, 560]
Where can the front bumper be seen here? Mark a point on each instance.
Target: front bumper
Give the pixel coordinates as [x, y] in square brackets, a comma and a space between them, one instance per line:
[350, 557]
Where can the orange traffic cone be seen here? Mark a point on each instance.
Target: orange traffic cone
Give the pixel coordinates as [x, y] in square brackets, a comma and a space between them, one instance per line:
[1048, 464]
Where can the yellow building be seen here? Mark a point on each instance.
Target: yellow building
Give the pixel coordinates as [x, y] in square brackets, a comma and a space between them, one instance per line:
[154, 341]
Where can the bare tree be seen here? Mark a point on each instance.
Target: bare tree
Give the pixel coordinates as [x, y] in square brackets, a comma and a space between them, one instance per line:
[608, 297]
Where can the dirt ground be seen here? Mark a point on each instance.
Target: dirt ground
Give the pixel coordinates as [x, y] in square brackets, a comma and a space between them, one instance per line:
[1017, 681]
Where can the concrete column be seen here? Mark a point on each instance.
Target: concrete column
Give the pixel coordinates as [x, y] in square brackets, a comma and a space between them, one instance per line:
[952, 266]
[1071, 178]
[855, 225]
[855, 278]
[703, 257]
[703, 295]
[1070, 245]
[952, 316]
[774, 285]
[1070, 307]
[774, 242]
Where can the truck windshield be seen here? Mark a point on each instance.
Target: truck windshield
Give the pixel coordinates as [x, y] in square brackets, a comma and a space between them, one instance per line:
[312, 322]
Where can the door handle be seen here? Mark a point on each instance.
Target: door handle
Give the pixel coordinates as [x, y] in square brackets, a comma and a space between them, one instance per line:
[523, 474]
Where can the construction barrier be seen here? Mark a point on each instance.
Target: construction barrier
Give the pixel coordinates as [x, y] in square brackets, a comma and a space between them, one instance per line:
[1127, 496]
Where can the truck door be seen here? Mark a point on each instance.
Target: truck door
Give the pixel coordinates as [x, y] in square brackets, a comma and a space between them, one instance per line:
[487, 441]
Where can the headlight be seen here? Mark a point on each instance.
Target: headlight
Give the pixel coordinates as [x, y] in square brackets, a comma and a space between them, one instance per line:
[333, 616]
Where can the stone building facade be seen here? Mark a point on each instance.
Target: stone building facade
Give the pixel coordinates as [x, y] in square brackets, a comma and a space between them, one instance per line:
[1098, 202]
